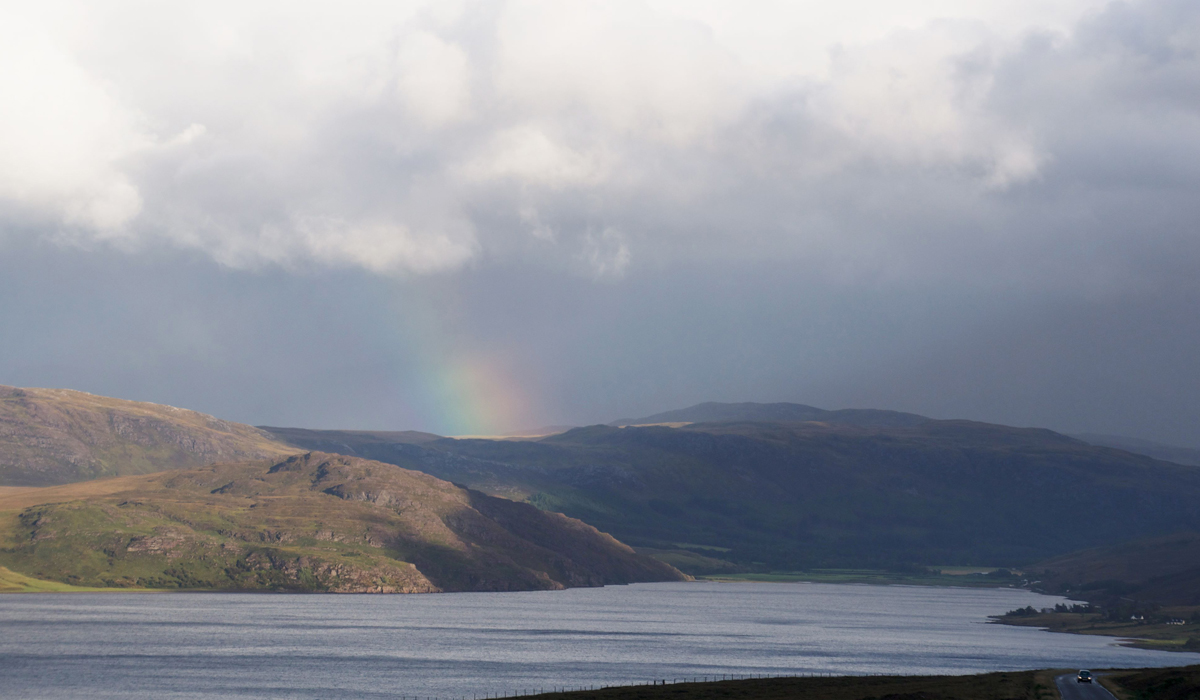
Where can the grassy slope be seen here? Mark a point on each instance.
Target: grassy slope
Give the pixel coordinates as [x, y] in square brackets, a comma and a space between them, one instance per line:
[57, 436]
[312, 522]
[12, 582]
[1164, 570]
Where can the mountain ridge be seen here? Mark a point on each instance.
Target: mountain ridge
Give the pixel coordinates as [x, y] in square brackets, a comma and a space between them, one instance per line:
[716, 412]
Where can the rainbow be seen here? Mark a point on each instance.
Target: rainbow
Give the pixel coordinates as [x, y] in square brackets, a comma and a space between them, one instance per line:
[455, 390]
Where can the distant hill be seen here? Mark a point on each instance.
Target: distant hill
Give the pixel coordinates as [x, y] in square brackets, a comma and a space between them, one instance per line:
[57, 436]
[799, 495]
[1164, 570]
[760, 412]
[1167, 453]
[313, 522]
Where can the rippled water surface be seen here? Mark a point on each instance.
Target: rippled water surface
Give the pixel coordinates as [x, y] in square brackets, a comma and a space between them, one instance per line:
[113, 645]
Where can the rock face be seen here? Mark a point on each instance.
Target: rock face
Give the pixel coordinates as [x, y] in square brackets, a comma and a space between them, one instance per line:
[58, 436]
[312, 522]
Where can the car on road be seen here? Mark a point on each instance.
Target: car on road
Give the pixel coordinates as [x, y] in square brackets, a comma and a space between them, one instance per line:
[1083, 677]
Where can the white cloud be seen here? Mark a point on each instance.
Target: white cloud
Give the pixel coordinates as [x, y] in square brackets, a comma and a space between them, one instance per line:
[414, 137]
[617, 65]
[63, 137]
[529, 155]
[433, 79]
[920, 97]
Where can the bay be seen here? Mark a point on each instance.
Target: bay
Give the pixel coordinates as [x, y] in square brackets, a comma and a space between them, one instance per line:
[467, 645]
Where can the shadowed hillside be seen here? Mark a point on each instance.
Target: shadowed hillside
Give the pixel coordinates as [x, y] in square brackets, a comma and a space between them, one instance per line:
[1167, 453]
[799, 495]
[315, 522]
[1163, 570]
[58, 436]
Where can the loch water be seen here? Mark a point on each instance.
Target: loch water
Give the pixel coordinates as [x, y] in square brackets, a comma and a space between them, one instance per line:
[472, 645]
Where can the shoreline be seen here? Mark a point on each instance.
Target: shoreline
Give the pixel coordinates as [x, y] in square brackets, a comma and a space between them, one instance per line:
[1151, 636]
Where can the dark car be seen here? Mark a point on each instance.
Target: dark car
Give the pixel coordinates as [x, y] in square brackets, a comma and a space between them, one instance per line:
[1084, 677]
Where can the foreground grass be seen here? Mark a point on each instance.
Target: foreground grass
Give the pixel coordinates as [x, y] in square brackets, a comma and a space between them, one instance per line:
[1141, 635]
[1020, 685]
[1180, 683]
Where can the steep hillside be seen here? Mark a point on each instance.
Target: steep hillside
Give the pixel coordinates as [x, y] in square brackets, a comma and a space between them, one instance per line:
[316, 522]
[58, 436]
[712, 412]
[1163, 570]
[798, 495]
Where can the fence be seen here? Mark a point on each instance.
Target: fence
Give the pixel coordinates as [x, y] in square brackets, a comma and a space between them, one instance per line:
[662, 681]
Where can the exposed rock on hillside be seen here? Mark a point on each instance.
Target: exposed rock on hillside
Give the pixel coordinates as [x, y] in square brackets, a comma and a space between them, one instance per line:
[58, 436]
[316, 522]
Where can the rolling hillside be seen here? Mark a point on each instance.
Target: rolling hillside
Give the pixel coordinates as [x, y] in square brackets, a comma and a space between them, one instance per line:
[1163, 570]
[58, 436]
[838, 489]
[313, 522]
[785, 495]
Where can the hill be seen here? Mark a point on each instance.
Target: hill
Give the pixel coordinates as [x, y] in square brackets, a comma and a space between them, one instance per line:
[801, 495]
[712, 412]
[1167, 453]
[58, 436]
[353, 443]
[1161, 570]
[314, 522]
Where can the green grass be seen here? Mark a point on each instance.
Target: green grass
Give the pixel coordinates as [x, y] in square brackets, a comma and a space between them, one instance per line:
[12, 582]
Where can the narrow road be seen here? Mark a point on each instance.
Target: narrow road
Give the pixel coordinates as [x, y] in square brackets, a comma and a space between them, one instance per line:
[1071, 690]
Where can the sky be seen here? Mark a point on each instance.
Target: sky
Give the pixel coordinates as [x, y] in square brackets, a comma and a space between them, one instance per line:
[477, 217]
